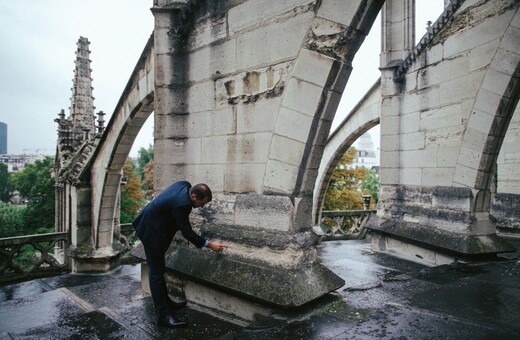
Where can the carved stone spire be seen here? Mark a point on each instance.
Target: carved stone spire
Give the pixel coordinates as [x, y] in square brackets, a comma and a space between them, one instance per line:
[82, 101]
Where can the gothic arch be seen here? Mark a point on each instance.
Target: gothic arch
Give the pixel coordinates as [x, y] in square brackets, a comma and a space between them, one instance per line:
[362, 118]
[488, 123]
[132, 111]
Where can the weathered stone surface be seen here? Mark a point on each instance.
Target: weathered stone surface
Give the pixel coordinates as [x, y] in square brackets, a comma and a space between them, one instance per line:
[279, 287]
[505, 210]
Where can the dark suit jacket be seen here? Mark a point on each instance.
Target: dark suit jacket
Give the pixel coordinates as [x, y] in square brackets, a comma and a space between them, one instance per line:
[169, 212]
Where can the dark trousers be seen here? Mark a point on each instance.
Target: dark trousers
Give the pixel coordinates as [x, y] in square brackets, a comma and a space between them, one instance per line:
[156, 269]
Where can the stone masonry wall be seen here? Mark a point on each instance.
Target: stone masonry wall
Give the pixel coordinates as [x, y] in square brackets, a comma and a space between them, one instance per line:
[443, 124]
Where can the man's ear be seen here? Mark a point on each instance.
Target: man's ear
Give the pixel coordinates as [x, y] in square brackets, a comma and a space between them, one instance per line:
[193, 197]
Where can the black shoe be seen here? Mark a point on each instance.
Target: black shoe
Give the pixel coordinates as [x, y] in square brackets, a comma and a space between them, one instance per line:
[175, 305]
[171, 322]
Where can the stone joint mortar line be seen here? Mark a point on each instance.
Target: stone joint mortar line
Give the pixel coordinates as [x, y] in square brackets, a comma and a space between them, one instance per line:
[86, 306]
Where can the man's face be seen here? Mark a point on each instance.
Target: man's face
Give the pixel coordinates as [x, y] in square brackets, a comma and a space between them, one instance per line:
[196, 203]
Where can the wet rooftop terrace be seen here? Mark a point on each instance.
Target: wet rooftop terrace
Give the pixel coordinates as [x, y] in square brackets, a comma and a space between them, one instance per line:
[383, 298]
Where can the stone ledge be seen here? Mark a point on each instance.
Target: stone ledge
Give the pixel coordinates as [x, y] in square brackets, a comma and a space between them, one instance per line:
[505, 209]
[430, 237]
[285, 288]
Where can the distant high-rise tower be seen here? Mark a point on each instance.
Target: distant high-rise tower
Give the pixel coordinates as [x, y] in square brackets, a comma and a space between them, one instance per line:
[3, 138]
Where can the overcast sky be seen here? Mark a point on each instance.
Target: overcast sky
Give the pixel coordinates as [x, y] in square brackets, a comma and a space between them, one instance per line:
[38, 40]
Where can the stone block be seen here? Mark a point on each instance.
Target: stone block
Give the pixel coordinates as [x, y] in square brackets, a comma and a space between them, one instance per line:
[448, 69]
[256, 47]
[258, 282]
[450, 136]
[170, 101]
[391, 159]
[510, 40]
[410, 123]
[434, 54]
[287, 150]
[339, 11]
[470, 158]
[437, 176]
[263, 211]
[426, 158]
[166, 173]
[201, 97]
[221, 210]
[302, 96]
[480, 120]
[293, 124]
[214, 150]
[313, 67]
[410, 176]
[207, 32]
[412, 141]
[390, 105]
[243, 177]
[389, 176]
[441, 118]
[481, 56]
[211, 123]
[162, 39]
[170, 126]
[259, 117]
[505, 210]
[487, 102]
[211, 174]
[248, 148]
[484, 32]
[505, 61]
[390, 143]
[213, 60]
[170, 70]
[454, 91]
[464, 176]
[254, 13]
[447, 156]
[390, 125]
[252, 86]
[474, 140]
[187, 151]
[280, 177]
[331, 104]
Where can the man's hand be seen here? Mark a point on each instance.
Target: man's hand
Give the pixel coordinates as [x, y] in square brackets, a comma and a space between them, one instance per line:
[216, 247]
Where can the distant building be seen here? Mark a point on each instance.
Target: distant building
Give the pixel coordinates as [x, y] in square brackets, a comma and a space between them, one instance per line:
[3, 138]
[17, 163]
[366, 153]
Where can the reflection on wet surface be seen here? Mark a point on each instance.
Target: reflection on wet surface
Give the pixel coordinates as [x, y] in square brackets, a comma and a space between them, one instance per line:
[383, 298]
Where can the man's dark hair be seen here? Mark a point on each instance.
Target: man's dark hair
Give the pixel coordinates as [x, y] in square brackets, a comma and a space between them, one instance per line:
[201, 191]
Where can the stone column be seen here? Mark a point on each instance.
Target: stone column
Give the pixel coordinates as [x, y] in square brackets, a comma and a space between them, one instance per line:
[397, 31]
[170, 106]
[397, 40]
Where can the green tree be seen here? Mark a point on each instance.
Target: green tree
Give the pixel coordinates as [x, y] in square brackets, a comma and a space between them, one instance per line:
[12, 220]
[131, 194]
[144, 156]
[35, 183]
[4, 183]
[370, 186]
[344, 190]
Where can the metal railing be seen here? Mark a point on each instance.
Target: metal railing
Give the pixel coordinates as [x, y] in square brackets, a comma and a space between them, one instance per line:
[32, 256]
[345, 224]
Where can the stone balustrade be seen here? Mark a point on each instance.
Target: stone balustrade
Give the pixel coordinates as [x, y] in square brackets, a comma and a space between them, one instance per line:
[32, 256]
[345, 224]
[27, 257]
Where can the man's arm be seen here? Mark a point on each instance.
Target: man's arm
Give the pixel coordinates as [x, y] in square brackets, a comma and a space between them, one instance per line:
[183, 222]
